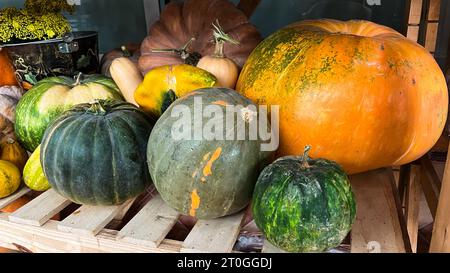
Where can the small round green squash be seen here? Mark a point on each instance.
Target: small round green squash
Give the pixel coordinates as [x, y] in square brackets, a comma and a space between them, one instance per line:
[201, 177]
[49, 98]
[303, 204]
[94, 154]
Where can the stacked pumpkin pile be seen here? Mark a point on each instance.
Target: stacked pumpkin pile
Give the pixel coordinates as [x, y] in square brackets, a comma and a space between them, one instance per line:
[360, 94]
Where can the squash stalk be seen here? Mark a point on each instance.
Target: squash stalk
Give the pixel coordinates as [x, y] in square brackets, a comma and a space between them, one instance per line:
[305, 158]
[97, 108]
[78, 79]
[220, 38]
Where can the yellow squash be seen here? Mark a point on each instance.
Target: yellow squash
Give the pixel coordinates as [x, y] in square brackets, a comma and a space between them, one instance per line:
[163, 85]
[9, 178]
[33, 175]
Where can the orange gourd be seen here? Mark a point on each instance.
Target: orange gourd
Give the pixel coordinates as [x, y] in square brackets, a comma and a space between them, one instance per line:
[7, 73]
[12, 151]
[359, 93]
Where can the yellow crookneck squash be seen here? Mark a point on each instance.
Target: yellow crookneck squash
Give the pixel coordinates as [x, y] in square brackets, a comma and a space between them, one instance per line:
[163, 85]
[359, 93]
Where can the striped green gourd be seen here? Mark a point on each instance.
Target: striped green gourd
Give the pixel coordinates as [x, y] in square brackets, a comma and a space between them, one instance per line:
[49, 98]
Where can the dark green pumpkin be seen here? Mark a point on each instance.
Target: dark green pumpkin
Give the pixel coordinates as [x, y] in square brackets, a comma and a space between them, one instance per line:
[204, 178]
[49, 98]
[303, 204]
[95, 153]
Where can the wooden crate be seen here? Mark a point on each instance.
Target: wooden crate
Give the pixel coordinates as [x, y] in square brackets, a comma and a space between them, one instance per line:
[378, 227]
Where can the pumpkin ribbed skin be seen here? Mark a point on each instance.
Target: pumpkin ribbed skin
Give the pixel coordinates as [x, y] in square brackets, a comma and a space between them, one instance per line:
[204, 178]
[179, 22]
[304, 209]
[361, 94]
[12, 151]
[95, 153]
[48, 99]
[9, 178]
[33, 175]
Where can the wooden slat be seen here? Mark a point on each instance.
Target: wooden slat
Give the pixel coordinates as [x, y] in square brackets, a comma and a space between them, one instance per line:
[48, 239]
[89, 220]
[151, 225]
[433, 175]
[269, 248]
[431, 36]
[434, 10]
[413, 33]
[413, 194]
[377, 226]
[415, 12]
[440, 240]
[430, 190]
[4, 202]
[218, 235]
[40, 209]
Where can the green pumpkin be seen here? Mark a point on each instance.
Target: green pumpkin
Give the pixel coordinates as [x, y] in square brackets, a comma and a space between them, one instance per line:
[94, 154]
[33, 175]
[204, 178]
[303, 204]
[49, 98]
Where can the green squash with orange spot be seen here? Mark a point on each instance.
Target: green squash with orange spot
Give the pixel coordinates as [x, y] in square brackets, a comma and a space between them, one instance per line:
[205, 177]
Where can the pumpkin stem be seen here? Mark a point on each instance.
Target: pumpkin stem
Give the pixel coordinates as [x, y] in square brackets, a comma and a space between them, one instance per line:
[97, 108]
[220, 38]
[183, 52]
[125, 51]
[10, 140]
[78, 79]
[305, 157]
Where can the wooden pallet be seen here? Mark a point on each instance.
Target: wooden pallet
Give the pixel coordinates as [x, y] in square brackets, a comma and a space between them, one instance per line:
[377, 227]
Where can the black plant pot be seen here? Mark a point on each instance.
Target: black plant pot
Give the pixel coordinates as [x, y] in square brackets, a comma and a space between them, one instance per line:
[75, 52]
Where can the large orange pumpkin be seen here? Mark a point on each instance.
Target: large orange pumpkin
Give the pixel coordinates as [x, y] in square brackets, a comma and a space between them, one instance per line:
[7, 74]
[360, 93]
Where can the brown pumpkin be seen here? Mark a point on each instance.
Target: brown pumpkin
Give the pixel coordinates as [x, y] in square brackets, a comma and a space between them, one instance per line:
[9, 97]
[7, 72]
[190, 24]
[12, 151]
[130, 51]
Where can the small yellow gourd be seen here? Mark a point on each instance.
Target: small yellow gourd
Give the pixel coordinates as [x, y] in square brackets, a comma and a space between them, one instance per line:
[9, 178]
[33, 175]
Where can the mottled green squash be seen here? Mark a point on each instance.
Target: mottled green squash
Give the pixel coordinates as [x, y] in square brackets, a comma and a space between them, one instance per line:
[94, 154]
[48, 99]
[204, 178]
[303, 204]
